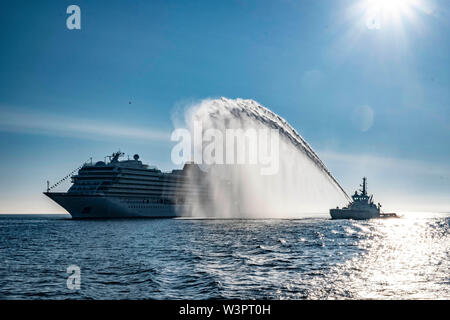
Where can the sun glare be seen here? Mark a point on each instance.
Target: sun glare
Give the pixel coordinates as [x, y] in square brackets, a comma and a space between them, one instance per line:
[384, 12]
[389, 6]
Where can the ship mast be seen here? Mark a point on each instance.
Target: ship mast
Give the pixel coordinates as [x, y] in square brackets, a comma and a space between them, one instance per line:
[364, 190]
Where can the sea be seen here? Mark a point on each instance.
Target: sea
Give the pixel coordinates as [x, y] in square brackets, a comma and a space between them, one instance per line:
[54, 257]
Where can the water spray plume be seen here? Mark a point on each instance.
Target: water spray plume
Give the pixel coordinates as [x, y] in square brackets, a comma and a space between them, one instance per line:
[302, 185]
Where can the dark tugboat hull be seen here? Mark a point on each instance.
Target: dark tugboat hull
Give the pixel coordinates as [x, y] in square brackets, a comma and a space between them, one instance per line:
[353, 214]
[359, 214]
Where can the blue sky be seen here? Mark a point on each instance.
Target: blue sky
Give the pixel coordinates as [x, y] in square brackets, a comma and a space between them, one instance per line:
[371, 101]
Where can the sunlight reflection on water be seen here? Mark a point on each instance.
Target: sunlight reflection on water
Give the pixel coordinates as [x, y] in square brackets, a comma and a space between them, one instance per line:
[276, 259]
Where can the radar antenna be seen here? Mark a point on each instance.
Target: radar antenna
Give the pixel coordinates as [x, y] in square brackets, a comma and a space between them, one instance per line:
[115, 156]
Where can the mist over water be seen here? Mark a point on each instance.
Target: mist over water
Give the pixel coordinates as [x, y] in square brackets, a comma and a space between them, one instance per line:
[301, 185]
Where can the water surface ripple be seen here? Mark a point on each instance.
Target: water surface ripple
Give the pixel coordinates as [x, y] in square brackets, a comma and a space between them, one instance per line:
[319, 258]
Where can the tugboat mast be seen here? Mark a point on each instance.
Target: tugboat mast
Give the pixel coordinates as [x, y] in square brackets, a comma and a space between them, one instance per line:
[364, 186]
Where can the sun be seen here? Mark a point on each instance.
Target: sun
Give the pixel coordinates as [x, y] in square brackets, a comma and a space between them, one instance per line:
[386, 12]
[390, 6]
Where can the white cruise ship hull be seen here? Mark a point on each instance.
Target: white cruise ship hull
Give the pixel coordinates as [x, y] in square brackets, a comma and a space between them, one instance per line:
[131, 189]
[108, 207]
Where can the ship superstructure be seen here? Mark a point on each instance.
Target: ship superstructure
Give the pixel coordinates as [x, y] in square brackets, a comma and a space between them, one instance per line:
[129, 188]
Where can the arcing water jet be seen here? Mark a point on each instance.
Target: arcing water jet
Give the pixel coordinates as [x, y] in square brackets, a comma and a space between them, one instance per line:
[301, 186]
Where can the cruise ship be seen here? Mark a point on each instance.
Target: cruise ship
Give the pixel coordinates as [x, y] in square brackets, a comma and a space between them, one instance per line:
[129, 189]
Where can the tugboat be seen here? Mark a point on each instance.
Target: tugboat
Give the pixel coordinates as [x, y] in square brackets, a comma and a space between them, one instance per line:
[361, 208]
